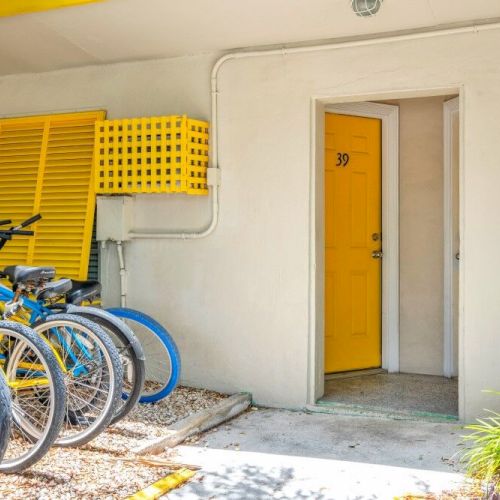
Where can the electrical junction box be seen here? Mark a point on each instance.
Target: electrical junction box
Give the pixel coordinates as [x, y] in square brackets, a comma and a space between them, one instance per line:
[114, 218]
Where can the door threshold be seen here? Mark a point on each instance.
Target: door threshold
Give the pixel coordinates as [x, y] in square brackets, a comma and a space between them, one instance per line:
[354, 373]
[352, 410]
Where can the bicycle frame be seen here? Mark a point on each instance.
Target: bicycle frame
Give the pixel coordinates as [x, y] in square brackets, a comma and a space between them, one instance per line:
[39, 312]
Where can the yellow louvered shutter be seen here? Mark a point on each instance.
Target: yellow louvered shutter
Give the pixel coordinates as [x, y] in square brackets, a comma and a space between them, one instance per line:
[46, 167]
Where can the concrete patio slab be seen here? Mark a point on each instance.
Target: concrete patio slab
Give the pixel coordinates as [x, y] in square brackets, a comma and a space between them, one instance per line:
[283, 454]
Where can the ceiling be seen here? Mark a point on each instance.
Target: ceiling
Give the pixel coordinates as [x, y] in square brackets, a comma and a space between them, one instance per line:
[124, 30]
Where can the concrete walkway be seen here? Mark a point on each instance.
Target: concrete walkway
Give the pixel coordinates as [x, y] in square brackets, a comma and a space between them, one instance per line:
[282, 454]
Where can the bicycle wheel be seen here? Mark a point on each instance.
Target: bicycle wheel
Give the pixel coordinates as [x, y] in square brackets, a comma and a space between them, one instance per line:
[37, 392]
[163, 362]
[5, 415]
[92, 373]
[131, 355]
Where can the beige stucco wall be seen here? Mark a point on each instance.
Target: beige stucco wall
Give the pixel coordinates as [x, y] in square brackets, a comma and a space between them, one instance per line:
[421, 235]
[239, 302]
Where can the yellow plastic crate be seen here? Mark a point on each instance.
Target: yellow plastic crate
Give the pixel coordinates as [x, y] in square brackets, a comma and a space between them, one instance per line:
[164, 154]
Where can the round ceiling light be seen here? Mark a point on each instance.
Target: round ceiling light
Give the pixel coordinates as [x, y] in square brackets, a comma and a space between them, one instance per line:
[366, 8]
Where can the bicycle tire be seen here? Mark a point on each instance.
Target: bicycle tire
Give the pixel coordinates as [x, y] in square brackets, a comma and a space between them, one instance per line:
[40, 347]
[5, 415]
[113, 361]
[124, 339]
[168, 342]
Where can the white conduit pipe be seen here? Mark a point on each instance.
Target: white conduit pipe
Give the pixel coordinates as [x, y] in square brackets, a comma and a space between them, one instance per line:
[213, 180]
[123, 274]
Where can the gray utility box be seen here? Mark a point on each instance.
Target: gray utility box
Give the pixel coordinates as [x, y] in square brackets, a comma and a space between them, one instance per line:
[114, 218]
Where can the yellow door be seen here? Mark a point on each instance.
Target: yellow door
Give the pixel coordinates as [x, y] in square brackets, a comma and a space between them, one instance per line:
[352, 243]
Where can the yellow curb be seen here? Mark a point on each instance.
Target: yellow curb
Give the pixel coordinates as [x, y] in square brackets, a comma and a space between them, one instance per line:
[168, 483]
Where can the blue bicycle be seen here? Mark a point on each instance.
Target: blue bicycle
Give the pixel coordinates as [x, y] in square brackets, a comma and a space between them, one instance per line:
[90, 362]
[151, 360]
[47, 305]
[163, 361]
[162, 358]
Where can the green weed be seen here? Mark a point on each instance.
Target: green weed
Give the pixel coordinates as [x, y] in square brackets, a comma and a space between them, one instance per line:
[482, 453]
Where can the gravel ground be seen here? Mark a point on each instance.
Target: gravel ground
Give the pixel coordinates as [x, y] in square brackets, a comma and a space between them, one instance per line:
[105, 469]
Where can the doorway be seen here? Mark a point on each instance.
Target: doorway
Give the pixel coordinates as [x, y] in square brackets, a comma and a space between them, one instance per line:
[419, 355]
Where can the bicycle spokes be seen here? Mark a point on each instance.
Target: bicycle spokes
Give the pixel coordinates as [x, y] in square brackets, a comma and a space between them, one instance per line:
[87, 374]
[32, 394]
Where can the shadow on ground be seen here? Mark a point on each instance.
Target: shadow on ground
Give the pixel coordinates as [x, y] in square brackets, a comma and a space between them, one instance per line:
[282, 454]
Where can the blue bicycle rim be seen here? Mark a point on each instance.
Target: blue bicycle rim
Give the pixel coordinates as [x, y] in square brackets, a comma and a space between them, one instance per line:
[166, 339]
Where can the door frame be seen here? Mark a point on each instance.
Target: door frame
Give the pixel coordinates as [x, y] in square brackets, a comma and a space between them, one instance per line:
[450, 109]
[389, 115]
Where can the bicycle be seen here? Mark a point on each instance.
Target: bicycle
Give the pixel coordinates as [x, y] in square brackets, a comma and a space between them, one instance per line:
[131, 354]
[156, 349]
[163, 362]
[37, 393]
[47, 304]
[89, 360]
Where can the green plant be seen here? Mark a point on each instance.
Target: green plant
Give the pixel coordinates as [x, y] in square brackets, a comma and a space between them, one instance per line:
[482, 454]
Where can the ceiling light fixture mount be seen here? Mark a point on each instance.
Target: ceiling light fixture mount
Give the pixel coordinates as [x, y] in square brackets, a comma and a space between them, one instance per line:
[366, 8]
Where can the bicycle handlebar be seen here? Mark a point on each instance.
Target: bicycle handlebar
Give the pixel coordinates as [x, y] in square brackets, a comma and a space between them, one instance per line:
[17, 232]
[7, 234]
[28, 222]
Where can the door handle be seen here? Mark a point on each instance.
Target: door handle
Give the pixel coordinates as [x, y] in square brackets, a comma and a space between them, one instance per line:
[377, 254]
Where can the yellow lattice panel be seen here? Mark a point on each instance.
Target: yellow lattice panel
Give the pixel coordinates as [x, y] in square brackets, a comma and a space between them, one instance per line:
[46, 167]
[166, 154]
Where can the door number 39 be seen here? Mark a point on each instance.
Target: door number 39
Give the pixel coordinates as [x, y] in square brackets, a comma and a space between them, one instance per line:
[342, 160]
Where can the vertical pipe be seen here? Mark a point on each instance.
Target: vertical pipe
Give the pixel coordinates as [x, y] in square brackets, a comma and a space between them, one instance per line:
[123, 275]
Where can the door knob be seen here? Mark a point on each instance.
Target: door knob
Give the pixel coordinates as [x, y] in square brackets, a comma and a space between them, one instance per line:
[377, 254]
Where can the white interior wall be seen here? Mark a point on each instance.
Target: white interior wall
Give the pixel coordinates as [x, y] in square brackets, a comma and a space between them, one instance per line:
[421, 234]
[237, 302]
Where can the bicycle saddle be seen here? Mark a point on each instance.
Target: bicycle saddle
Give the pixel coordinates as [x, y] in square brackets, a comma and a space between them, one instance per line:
[54, 289]
[83, 290]
[29, 274]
